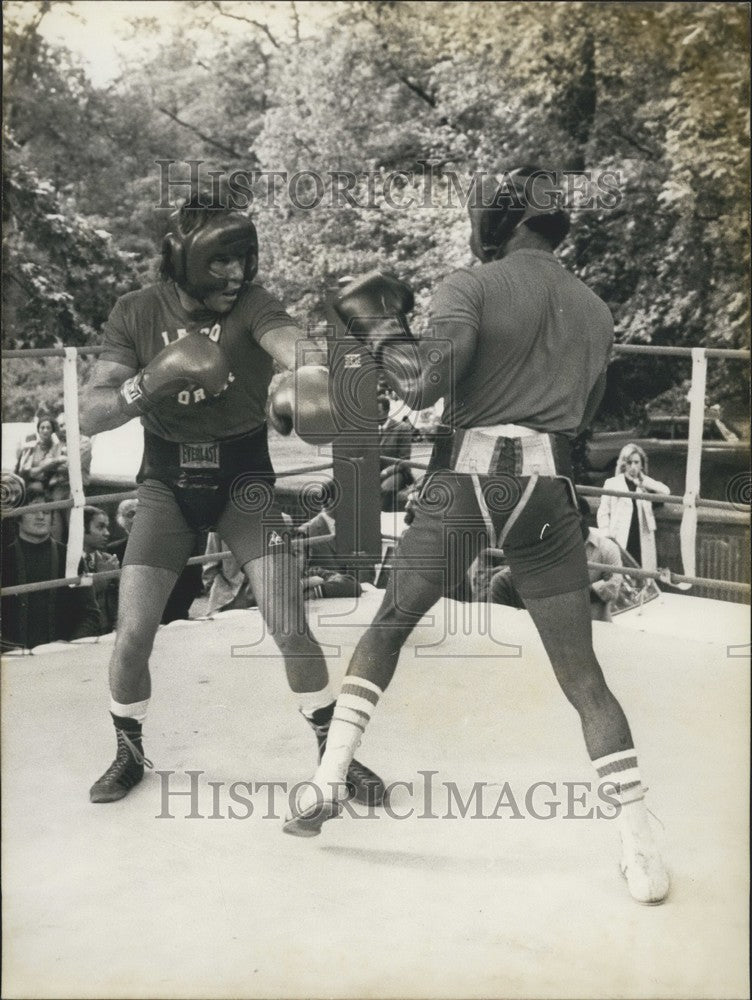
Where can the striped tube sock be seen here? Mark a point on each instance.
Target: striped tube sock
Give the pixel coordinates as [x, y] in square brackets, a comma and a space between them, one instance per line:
[352, 713]
[621, 770]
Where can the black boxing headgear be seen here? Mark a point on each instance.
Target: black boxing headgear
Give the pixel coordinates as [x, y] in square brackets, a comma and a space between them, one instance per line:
[187, 257]
[499, 207]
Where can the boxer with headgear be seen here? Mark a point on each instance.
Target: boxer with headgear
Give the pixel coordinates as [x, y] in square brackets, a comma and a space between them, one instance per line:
[190, 253]
[518, 349]
[193, 357]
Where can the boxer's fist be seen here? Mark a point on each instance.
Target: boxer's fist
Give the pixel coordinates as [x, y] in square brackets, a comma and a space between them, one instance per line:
[280, 405]
[301, 400]
[192, 362]
[314, 420]
[374, 308]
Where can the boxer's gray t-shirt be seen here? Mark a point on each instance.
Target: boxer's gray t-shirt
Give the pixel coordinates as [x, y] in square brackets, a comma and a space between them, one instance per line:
[543, 340]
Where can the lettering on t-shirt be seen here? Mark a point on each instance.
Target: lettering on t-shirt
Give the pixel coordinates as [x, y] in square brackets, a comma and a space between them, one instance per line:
[212, 332]
[192, 396]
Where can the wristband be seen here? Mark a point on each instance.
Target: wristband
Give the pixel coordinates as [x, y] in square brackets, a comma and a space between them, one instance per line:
[132, 394]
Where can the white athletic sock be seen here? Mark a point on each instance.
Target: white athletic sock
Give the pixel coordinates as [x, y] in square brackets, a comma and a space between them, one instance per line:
[311, 701]
[136, 710]
[352, 713]
[621, 770]
[641, 862]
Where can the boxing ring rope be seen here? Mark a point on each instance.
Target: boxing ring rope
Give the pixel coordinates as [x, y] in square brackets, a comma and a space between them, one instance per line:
[87, 579]
[691, 500]
[670, 498]
[661, 575]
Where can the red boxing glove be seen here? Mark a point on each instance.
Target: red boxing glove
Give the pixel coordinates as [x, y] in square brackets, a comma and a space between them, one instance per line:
[373, 308]
[193, 362]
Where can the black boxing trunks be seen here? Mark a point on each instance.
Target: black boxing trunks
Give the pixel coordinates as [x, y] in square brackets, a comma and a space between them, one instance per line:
[202, 474]
[184, 489]
[503, 486]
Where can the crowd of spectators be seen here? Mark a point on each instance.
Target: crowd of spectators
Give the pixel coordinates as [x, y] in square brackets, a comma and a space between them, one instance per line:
[43, 616]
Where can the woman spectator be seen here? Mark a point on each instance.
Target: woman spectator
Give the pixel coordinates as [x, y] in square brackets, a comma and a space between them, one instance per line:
[39, 463]
[631, 522]
[98, 560]
[40, 458]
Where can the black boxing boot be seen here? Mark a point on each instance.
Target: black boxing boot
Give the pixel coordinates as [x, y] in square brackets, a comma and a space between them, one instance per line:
[362, 784]
[127, 769]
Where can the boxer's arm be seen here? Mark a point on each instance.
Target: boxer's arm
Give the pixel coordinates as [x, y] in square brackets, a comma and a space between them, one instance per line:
[444, 359]
[593, 402]
[281, 343]
[102, 406]
[191, 362]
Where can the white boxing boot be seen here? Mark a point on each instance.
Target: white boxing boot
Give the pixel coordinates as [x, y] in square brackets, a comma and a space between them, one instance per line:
[641, 862]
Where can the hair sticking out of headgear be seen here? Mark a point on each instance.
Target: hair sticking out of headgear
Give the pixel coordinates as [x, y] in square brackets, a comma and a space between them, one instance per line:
[201, 234]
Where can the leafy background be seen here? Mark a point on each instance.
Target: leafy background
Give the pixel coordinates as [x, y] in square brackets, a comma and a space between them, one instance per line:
[656, 92]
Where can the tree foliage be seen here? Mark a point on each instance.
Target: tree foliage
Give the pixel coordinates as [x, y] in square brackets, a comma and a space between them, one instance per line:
[391, 92]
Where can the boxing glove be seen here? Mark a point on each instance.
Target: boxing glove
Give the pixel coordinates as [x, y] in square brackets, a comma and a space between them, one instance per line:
[281, 404]
[301, 400]
[373, 308]
[192, 362]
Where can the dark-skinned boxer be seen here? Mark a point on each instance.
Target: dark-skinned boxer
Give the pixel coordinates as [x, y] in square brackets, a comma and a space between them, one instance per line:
[519, 349]
[192, 355]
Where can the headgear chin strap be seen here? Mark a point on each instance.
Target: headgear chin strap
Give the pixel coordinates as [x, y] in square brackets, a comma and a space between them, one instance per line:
[188, 258]
[501, 206]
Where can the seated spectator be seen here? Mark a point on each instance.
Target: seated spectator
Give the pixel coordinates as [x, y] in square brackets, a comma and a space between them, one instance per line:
[124, 516]
[98, 560]
[482, 570]
[395, 447]
[30, 620]
[320, 575]
[630, 522]
[604, 586]
[228, 586]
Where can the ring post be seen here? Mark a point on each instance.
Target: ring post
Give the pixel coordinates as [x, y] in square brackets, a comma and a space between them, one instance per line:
[75, 546]
[355, 451]
[688, 528]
